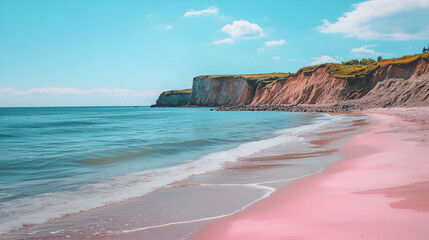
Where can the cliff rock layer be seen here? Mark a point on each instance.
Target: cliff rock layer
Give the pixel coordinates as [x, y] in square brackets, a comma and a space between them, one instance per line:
[222, 90]
[392, 82]
[406, 86]
[318, 87]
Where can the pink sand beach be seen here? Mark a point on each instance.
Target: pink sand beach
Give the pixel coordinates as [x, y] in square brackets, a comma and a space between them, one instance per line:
[381, 191]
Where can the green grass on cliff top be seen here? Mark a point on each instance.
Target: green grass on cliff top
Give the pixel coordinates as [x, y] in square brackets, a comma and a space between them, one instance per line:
[183, 91]
[255, 76]
[360, 71]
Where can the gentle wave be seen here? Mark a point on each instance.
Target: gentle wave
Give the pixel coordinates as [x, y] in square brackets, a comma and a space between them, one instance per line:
[4, 135]
[41, 208]
[53, 124]
[160, 149]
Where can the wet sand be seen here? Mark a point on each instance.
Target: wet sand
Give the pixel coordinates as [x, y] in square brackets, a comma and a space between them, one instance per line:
[381, 191]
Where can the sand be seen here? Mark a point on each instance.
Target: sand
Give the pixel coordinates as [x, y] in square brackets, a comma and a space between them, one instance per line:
[415, 114]
[381, 191]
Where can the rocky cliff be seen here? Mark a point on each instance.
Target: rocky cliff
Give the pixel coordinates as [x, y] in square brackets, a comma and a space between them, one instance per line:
[392, 82]
[221, 90]
[398, 86]
[173, 98]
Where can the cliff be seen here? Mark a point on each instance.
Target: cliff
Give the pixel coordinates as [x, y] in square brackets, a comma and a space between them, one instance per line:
[404, 85]
[219, 90]
[173, 98]
[391, 82]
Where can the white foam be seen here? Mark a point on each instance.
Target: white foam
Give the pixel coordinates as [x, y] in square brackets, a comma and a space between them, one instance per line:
[5, 195]
[319, 122]
[41, 208]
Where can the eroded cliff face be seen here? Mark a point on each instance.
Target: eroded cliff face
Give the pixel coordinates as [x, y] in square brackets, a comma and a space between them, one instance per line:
[219, 91]
[173, 99]
[393, 86]
[318, 87]
[402, 83]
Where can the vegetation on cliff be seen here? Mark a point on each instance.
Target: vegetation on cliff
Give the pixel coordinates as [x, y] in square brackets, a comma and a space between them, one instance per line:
[267, 79]
[359, 70]
[183, 91]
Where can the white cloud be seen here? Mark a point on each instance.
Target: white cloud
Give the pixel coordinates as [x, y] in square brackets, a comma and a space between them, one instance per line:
[112, 92]
[276, 58]
[383, 20]
[226, 40]
[324, 59]
[243, 29]
[169, 27]
[209, 11]
[365, 51]
[275, 43]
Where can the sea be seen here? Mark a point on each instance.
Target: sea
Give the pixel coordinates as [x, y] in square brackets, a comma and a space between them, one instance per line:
[64, 162]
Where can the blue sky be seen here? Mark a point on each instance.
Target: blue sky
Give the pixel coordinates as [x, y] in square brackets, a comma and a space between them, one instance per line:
[104, 52]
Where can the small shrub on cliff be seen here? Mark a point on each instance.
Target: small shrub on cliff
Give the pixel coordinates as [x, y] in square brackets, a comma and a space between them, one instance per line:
[365, 61]
[352, 62]
[362, 70]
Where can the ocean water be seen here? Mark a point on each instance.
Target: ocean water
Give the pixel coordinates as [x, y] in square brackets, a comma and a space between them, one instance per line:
[60, 161]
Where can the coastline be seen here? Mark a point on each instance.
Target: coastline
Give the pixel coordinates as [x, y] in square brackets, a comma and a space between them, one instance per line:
[378, 192]
[219, 120]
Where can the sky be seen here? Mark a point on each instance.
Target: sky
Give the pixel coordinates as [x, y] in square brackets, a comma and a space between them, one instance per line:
[125, 52]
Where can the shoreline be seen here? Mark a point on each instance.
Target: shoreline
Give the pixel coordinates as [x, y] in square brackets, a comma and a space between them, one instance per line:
[349, 200]
[239, 183]
[325, 108]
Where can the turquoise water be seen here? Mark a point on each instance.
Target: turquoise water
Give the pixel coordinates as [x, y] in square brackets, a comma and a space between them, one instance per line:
[57, 161]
